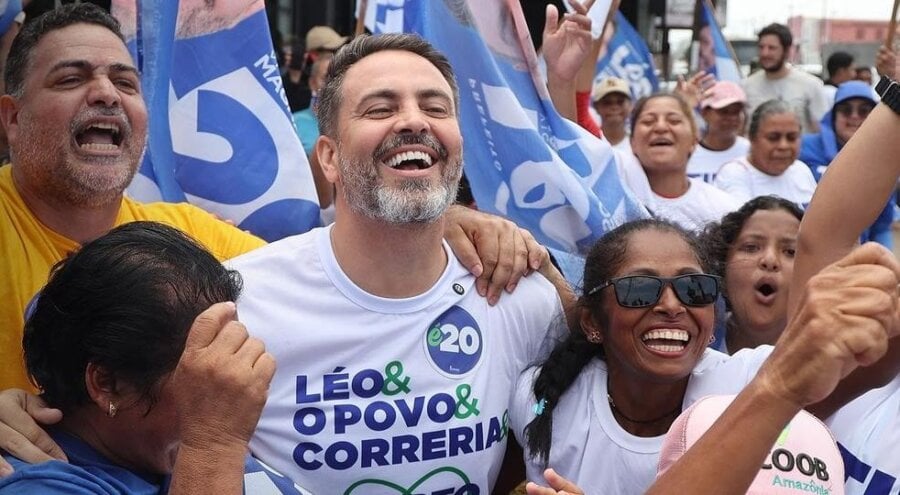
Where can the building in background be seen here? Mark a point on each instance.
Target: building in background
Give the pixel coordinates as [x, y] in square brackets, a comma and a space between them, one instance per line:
[817, 39]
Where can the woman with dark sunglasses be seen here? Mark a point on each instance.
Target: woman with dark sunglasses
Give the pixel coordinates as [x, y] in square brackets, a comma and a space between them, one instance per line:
[598, 408]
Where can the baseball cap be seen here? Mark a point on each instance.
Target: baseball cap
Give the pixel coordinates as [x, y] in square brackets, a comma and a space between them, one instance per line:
[804, 459]
[323, 38]
[610, 85]
[721, 94]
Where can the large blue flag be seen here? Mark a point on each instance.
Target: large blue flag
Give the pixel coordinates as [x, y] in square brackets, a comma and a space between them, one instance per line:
[627, 57]
[221, 135]
[522, 159]
[715, 55]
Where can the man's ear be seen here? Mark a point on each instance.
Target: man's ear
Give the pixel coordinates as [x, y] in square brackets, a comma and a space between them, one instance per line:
[9, 116]
[326, 152]
[590, 327]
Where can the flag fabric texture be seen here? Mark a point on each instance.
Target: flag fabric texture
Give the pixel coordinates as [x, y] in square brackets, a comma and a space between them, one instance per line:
[522, 159]
[715, 52]
[221, 134]
[9, 9]
[628, 58]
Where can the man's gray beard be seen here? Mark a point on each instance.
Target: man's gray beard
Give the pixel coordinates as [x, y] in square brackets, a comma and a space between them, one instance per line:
[413, 201]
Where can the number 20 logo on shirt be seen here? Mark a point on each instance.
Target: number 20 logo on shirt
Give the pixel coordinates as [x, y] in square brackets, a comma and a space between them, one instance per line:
[454, 343]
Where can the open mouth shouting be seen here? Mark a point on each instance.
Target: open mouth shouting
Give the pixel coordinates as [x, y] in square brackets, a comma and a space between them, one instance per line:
[766, 290]
[100, 136]
[666, 340]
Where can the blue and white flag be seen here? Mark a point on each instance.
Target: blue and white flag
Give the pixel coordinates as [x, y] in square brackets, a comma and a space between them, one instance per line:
[9, 9]
[383, 16]
[715, 54]
[522, 159]
[627, 57]
[221, 134]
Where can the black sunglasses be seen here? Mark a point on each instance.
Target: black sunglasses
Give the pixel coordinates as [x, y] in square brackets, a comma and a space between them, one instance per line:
[848, 109]
[640, 291]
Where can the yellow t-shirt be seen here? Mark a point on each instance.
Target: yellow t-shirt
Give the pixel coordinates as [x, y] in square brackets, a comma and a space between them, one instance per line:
[28, 250]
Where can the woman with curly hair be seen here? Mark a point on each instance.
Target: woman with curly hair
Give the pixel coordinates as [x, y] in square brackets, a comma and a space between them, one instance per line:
[753, 250]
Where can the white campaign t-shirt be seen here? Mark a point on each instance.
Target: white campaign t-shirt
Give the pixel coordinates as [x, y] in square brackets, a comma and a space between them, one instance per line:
[376, 396]
[705, 163]
[745, 182]
[591, 449]
[868, 434]
[693, 210]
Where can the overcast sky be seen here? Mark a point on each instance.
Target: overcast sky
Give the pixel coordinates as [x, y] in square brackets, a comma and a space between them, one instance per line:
[745, 17]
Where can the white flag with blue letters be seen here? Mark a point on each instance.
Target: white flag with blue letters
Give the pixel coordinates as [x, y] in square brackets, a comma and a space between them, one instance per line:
[221, 134]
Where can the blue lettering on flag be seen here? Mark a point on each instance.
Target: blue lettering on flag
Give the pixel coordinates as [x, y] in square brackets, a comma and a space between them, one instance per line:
[228, 144]
[627, 57]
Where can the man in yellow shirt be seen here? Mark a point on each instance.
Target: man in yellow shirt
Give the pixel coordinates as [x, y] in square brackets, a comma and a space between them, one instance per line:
[77, 125]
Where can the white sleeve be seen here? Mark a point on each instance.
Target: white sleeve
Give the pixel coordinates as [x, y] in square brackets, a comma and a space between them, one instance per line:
[538, 319]
[521, 410]
[719, 374]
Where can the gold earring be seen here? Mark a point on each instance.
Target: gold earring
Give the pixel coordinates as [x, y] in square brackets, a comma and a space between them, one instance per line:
[112, 410]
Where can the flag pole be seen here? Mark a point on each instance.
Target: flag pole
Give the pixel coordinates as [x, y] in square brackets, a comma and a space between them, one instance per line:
[892, 26]
[361, 18]
[613, 8]
[694, 54]
[731, 52]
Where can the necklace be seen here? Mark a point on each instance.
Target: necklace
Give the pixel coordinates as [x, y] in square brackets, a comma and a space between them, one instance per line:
[615, 409]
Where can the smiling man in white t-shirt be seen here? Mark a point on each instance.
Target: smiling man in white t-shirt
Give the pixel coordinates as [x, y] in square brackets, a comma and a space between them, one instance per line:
[393, 373]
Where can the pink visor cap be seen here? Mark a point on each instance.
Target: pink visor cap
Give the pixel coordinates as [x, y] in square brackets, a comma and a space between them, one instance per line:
[804, 460]
[723, 93]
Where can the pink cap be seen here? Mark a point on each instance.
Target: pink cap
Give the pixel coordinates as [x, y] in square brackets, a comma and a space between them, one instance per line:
[805, 458]
[723, 93]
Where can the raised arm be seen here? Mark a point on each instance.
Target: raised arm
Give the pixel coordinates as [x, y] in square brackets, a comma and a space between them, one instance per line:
[846, 316]
[220, 385]
[565, 46]
[850, 195]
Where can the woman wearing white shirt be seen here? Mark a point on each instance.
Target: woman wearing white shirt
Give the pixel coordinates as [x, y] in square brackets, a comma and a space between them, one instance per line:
[663, 137]
[723, 108]
[772, 166]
